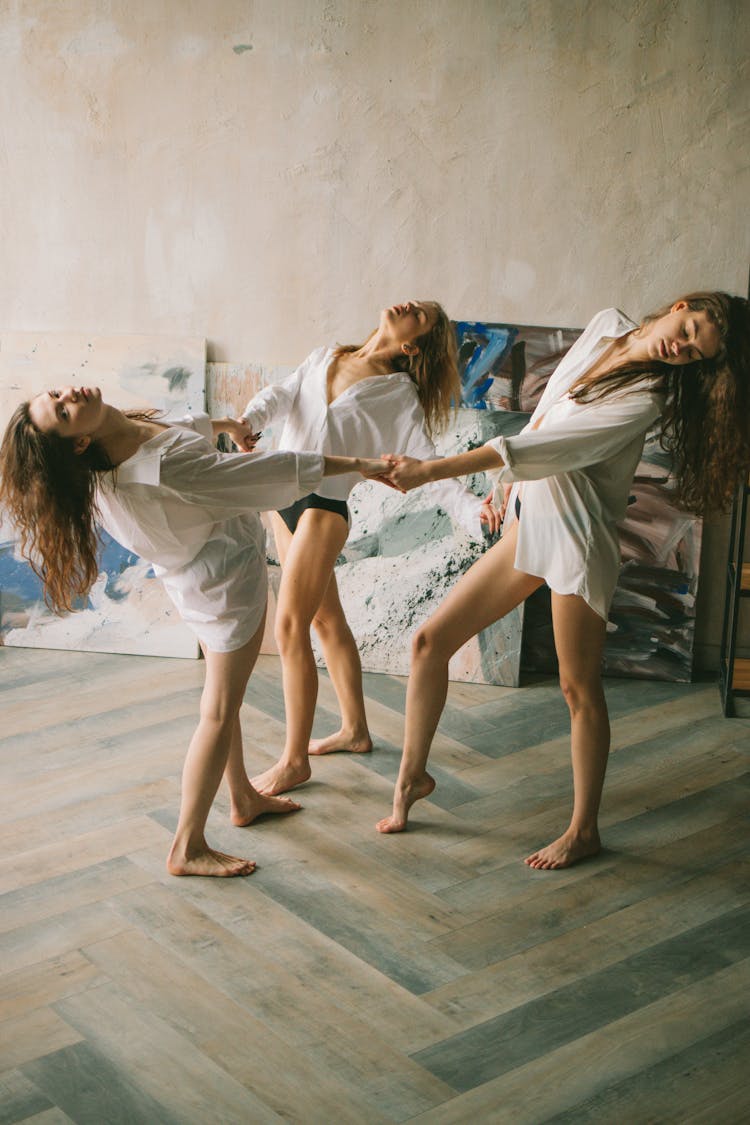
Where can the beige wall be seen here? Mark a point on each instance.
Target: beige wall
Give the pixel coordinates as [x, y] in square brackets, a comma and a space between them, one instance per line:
[270, 173]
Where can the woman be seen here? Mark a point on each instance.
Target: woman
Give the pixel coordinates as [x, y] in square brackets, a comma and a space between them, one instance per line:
[393, 391]
[570, 471]
[164, 492]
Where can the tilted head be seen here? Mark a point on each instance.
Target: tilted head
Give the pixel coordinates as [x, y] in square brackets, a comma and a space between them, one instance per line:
[429, 354]
[48, 472]
[707, 418]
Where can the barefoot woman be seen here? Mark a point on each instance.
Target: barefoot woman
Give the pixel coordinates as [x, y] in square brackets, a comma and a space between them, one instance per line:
[571, 470]
[164, 492]
[391, 392]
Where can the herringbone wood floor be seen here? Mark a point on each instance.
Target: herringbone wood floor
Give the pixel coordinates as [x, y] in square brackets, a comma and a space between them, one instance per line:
[429, 977]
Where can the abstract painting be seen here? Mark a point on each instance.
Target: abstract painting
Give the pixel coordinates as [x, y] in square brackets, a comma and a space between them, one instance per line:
[506, 366]
[127, 611]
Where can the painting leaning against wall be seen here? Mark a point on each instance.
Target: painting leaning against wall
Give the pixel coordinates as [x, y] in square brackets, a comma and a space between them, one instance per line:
[127, 610]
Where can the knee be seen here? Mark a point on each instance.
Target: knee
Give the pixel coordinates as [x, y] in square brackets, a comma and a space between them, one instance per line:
[332, 628]
[580, 694]
[219, 711]
[425, 643]
[324, 626]
[290, 631]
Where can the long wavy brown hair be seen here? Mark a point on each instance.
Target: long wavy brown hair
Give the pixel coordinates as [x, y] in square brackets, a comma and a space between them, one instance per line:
[434, 369]
[705, 425]
[49, 492]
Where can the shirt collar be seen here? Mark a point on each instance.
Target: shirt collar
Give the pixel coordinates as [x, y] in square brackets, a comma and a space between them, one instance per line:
[144, 467]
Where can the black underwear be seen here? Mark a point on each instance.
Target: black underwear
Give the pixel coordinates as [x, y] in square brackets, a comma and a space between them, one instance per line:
[292, 514]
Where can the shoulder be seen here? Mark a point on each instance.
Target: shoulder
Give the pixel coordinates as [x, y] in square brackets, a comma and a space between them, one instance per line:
[609, 322]
[320, 357]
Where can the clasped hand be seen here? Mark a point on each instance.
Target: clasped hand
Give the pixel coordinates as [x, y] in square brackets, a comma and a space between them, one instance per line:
[405, 473]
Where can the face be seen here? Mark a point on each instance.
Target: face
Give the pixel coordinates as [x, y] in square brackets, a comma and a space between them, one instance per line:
[73, 412]
[409, 321]
[682, 336]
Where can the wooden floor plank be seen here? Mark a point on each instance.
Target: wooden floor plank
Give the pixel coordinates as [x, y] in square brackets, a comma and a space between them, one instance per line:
[159, 1063]
[41, 984]
[33, 1034]
[81, 851]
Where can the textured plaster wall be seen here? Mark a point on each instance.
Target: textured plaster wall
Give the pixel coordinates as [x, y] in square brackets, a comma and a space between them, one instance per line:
[269, 173]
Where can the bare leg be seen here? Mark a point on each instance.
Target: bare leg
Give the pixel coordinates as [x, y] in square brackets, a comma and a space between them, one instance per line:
[345, 668]
[491, 588]
[246, 803]
[208, 755]
[306, 570]
[579, 640]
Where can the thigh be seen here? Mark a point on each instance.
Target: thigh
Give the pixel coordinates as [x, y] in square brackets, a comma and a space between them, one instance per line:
[579, 638]
[282, 535]
[227, 673]
[309, 560]
[491, 588]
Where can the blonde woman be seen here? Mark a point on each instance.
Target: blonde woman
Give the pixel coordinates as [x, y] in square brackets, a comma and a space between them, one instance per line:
[395, 390]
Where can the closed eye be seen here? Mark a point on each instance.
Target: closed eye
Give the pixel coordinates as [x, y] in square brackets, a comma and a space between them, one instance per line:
[60, 410]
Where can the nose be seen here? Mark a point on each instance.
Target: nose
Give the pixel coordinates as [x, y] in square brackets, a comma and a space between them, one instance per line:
[69, 394]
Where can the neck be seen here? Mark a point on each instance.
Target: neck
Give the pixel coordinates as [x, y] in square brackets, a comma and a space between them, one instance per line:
[633, 348]
[379, 354]
[119, 436]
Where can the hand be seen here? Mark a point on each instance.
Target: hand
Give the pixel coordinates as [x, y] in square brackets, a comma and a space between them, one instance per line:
[405, 472]
[490, 516]
[242, 434]
[373, 468]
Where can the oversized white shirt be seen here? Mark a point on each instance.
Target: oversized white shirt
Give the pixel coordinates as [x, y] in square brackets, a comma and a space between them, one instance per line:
[380, 414]
[577, 461]
[191, 512]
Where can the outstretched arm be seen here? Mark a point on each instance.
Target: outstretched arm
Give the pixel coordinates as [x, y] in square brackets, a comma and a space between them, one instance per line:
[408, 472]
[369, 467]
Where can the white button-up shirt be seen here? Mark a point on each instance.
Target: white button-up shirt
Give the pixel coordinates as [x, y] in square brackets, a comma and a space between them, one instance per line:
[577, 461]
[379, 414]
[191, 512]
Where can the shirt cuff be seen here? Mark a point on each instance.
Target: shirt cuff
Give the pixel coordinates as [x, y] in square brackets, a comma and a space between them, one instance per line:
[503, 475]
[202, 423]
[309, 471]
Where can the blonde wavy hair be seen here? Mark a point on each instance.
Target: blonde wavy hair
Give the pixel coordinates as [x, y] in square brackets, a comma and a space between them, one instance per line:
[433, 370]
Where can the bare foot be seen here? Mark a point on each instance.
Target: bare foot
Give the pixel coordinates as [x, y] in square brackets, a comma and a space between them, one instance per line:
[252, 805]
[404, 797]
[281, 777]
[360, 743]
[568, 849]
[208, 862]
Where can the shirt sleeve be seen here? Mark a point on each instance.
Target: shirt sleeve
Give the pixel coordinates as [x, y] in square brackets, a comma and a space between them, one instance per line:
[459, 501]
[595, 433]
[197, 421]
[232, 483]
[275, 402]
